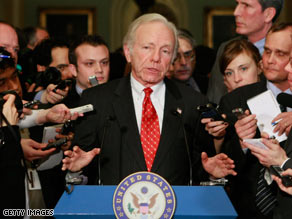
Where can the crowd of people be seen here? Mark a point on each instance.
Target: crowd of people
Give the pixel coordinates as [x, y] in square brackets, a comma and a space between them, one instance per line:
[145, 116]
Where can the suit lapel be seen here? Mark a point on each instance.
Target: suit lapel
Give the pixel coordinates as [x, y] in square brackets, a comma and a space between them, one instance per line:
[125, 112]
[171, 122]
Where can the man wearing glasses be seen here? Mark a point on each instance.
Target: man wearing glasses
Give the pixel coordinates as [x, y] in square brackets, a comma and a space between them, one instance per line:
[185, 61]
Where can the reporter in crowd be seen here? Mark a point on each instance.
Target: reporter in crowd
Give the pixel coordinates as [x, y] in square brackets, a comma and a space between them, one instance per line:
[185, 61]
[12, 187]
[253, 19]
[275, 155]
[245, 187]
[57, 114]
[52, 64]
[240, 65]
[89, 57]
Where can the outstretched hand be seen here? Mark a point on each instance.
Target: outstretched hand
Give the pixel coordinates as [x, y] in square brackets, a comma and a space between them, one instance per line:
[77, 159]
[218, 166]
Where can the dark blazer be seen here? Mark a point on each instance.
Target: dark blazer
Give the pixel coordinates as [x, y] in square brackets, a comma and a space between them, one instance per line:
[243, 187]
[113, 126]
[73, 98]
[12, 191]
[283, 210]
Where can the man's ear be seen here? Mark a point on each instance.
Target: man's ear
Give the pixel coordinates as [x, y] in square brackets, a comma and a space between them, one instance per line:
[127, 52]
[41, 68]
[269, 14]
[73, 70]
[260, 67]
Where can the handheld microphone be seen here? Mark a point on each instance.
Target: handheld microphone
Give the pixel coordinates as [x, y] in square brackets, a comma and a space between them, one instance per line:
[285, 99]
[178, 112]
[106, 125]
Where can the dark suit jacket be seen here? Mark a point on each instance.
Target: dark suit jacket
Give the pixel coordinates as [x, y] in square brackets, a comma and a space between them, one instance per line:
[12, 191]
[113, 125]
[244, 186]
[283, 210]
[73, 98]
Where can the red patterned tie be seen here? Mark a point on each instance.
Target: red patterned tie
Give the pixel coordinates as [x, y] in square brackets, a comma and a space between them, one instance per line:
[150, 133]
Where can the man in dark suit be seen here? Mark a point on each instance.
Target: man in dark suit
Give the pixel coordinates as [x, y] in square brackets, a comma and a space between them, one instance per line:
[276, 155]
[275, 57]
[88, 56]
[253, 19]
[115, 125]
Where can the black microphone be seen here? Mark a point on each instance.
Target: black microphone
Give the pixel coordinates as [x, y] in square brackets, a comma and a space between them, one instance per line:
[123, 130]
[285, 99]
[106, 125]
[178, 112]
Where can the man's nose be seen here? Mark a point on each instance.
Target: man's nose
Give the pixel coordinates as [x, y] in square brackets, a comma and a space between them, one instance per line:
[156, 56]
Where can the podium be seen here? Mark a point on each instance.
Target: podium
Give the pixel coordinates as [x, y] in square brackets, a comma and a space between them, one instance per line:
[191, 202]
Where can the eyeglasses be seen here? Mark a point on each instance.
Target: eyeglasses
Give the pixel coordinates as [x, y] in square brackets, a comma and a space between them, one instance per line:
[188, 56]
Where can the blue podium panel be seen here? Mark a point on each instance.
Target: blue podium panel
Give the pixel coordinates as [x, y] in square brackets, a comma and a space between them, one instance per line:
[191, 201]
[202, 202]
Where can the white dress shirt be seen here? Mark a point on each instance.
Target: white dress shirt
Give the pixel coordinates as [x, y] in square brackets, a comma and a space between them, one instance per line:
[157, 98]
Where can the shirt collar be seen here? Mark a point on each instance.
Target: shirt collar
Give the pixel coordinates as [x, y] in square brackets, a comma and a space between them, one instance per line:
[275, 90]
[260, 45]
[79, 90]
[138, 88]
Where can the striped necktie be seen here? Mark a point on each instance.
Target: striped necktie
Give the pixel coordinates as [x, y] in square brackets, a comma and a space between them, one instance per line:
[265, 198]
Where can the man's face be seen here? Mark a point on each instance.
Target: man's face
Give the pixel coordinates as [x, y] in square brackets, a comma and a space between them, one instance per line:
[185, 62]
[92, 60]
[151, 54]
[60, 60]
[276, 56]
[9, 81]
[9, 40]
[288, 68]
[242, 70]
[249, 17]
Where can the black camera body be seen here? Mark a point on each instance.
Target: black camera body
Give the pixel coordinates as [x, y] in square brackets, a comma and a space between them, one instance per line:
[210, 110]
[50, 76]
[62, 85]
[18, 102]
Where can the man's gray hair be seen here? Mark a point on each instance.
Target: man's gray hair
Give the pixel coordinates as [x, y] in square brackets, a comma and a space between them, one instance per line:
[129, 38]
[277, 4]
[185, 34]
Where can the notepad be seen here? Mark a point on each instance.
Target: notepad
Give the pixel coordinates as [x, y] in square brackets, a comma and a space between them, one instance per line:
[266, 108]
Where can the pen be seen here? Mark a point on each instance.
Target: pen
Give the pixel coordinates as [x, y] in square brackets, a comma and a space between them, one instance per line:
[276, 122]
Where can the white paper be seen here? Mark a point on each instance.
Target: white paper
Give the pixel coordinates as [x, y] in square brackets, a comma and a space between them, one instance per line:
[256, 142]
[266, 108]
[55, 158]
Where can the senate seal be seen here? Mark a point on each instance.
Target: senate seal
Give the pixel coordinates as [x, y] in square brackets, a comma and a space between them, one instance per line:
[144, 195]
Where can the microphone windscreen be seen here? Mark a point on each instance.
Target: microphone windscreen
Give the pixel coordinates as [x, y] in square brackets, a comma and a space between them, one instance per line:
[285, 99]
